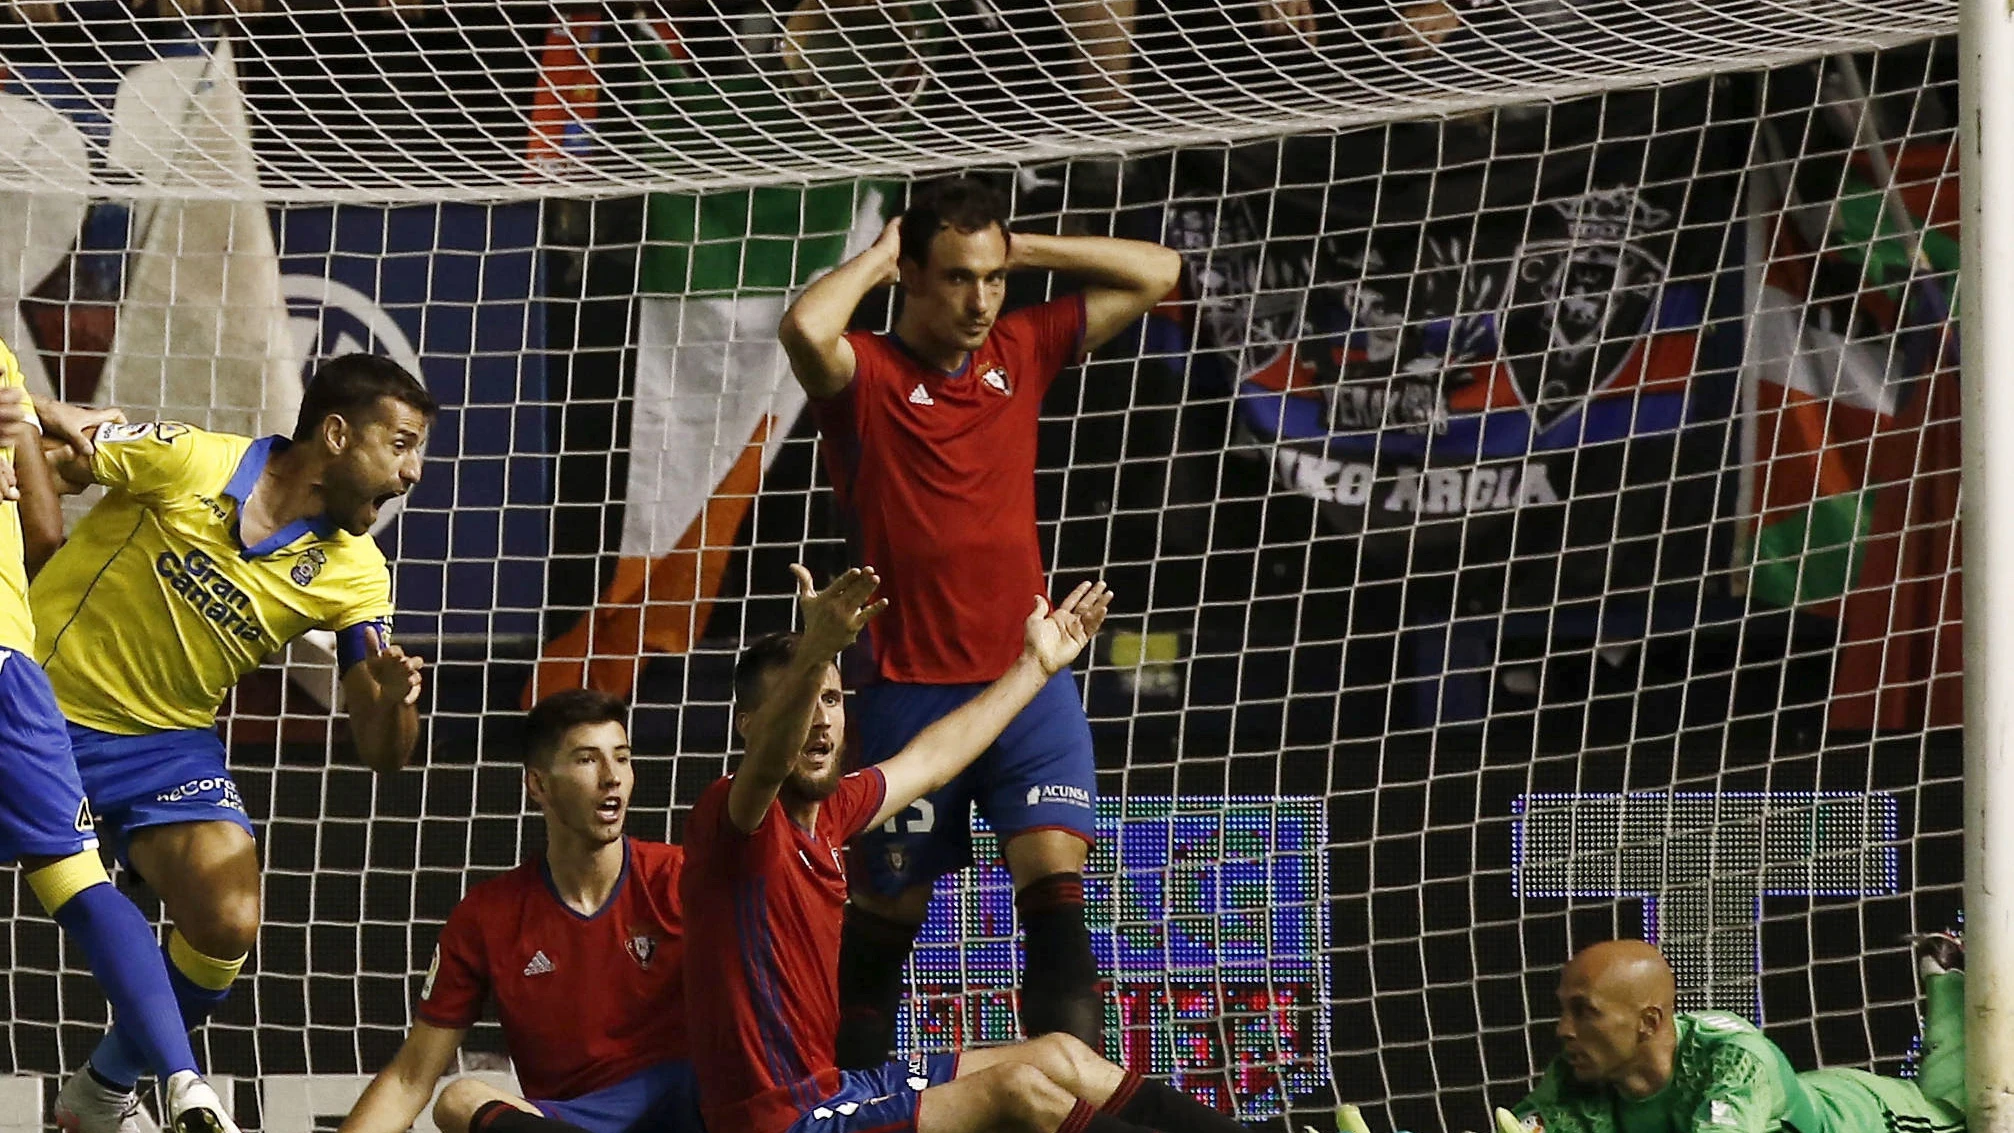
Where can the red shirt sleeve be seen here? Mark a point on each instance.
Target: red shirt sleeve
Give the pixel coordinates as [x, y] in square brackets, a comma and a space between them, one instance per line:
[857, 801]
[1045, 339]
[711, 836]
[457, 984]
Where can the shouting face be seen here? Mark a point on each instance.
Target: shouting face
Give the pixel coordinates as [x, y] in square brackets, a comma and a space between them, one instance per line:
[375, 459]
[817, 772]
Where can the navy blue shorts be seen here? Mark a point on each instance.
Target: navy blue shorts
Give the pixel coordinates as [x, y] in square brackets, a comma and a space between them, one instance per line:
[881, 1100]
[157, 779]
[662, 1099]
[1039, 775]
[42, 811]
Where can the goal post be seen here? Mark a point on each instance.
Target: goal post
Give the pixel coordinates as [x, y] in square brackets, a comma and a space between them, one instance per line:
[1985, 37]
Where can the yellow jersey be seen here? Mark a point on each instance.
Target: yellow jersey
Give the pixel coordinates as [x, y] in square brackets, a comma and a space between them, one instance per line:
[154, 608]
[17, 628]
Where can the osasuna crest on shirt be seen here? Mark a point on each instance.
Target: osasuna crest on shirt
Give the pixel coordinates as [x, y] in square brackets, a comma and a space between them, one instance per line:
[643, 948]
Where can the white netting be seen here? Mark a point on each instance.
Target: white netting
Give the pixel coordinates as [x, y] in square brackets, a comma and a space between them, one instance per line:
[356, 103]
[1531, 523]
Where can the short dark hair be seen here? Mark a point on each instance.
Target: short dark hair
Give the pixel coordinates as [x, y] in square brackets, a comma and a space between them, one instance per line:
[964, 203]
[758, 658]
[551, 719]
[353, 383]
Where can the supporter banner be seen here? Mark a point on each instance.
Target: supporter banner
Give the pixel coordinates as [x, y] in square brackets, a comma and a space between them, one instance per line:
[1851, 391]
[1438, 327]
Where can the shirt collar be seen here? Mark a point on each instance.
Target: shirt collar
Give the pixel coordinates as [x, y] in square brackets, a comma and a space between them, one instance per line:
[921, 361]
[245, 478]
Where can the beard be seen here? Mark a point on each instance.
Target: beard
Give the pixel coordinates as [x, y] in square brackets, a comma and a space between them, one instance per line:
[811, 786]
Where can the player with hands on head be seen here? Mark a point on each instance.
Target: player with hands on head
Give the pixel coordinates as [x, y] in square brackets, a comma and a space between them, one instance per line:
[928, 433]
[45, 822]
[581, 948]
[1631, 1061]
[209, 553]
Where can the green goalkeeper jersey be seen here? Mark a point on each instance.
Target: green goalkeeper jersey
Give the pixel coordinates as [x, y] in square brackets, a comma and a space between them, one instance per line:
[1725, 1075]
[1727, 1078]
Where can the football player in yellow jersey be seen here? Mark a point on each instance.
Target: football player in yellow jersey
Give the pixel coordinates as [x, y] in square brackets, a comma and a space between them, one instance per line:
[208, 553]
[44, 820]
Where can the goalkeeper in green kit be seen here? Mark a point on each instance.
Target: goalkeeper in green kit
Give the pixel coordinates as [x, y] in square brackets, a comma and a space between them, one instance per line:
[1630, 1063]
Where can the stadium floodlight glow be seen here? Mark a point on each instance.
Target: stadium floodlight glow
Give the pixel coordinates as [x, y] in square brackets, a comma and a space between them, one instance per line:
[1702, 862]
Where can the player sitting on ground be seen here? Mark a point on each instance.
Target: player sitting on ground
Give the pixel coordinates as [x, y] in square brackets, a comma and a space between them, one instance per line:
[765, 885]
[582, 949]
[44, 821]
[929, 436]
[208, 554]
[1631, 1062]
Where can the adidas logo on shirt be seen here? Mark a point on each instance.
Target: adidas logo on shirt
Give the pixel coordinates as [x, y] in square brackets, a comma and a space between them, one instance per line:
[920, 396]
[539, 965]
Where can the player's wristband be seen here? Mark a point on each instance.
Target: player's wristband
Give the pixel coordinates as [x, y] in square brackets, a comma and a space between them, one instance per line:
[354, 644]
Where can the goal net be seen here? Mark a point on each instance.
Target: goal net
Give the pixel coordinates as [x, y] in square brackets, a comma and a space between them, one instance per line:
[1534, 516]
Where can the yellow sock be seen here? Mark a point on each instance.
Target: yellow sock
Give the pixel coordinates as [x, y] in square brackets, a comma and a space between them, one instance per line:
[54, 884]
[203, 971]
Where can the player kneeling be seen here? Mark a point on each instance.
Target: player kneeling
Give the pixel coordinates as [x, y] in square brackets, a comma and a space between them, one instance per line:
[582, 949]
[765, 884]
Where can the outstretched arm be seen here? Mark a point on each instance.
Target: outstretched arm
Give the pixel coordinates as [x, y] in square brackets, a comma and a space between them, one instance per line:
[776, 728]
[813, 330]
[404, 1087]
[941, 751]
[1122, 278]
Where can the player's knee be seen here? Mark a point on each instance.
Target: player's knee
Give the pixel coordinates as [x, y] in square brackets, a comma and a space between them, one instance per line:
[228, 927]
[458, 1103]
[1026, 1098]
[1073, 1057]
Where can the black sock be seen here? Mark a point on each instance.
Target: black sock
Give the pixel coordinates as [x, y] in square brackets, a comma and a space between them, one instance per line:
[1157, 1105]
[872, 952]
[503, 1117]
[1060, 991]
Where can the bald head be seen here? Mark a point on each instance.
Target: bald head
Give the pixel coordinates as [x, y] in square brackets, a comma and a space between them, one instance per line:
[1617, 1000]
[1626, 972]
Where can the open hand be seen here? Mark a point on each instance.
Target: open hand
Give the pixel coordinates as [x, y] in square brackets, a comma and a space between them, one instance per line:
[1055, 637]
[396, 675]
[834, 616]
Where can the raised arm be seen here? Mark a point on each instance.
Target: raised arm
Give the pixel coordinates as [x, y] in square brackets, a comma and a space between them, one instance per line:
[941, 751]
[813, 330]
[382, 695]
[34, 485]
[1122, 278]
[776, 728]
[404, 1087]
